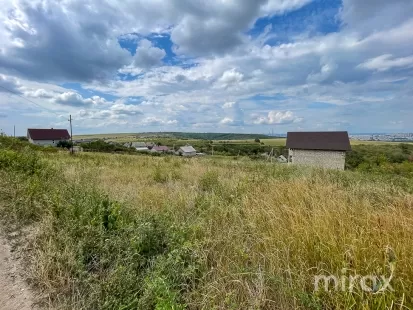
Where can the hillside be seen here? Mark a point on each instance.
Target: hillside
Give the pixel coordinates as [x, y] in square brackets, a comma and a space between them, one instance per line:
[177, 135]
[140, 232]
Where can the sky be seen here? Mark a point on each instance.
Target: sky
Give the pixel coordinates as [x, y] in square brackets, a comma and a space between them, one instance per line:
[250, 66]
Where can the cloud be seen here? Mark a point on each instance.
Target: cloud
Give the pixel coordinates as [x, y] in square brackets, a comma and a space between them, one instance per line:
[39, 93]
[375, 15]
[147, 55]
[387, 62]
[9, 84]
[74, 99]
[63, 41]
[228, 105]
[125, 109]
[155, 121]
[195, 60]
[2, 115]
[278, 117]
[230, 77]
[226, 121]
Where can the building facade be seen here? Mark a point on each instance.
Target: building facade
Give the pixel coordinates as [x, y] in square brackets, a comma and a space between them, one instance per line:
[47, 137]
[318, 149]
[316, 158]
[187, 151]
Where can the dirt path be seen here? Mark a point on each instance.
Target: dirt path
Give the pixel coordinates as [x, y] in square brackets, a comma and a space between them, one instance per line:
[14, 291]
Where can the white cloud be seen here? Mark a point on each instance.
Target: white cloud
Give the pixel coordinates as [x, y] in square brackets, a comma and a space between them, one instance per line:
[387, 62]
[155, 121]
[71, 98]
[230, 78]
[223, 61]
[228, 105]
[9, 84]
[39, 93]
[147, 55]
[278, 117]
[226, 121]
[126, 109]
[47, 40]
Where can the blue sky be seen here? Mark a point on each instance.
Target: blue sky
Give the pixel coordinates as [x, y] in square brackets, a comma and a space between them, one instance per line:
[215, 66]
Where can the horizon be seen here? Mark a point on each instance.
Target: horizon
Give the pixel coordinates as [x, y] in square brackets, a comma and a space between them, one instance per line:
[250, 67]
[279, 134]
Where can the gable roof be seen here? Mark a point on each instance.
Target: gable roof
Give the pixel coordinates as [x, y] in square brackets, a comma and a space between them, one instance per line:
[138, 144]
[187, 149]
[321, 140]
[160, 148]
[48, 134]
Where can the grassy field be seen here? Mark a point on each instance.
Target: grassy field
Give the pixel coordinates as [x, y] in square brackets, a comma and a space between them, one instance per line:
[129, 137]
[141, 232]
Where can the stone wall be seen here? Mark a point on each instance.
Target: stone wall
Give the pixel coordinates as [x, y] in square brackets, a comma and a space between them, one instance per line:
[323, 159]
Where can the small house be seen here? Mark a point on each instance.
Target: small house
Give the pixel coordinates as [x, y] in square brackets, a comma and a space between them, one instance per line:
[142, 149]
[137, 144]
[160, 149]
[47, 137]
[149, 145]
[320, 149]
[187, 151]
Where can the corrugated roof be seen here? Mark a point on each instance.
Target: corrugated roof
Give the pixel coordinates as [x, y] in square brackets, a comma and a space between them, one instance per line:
[322, 140]
[187, 149]
[138, 144]
[48, 134]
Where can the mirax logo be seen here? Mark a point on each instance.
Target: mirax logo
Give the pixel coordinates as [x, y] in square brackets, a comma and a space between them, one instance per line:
[348, 283]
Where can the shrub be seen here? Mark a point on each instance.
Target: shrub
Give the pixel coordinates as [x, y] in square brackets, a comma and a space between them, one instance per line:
[160, 176]
[209, 181]
[64, 144]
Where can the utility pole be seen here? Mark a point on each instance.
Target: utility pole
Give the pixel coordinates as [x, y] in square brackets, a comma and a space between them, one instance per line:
[14, 131]
[71, 134]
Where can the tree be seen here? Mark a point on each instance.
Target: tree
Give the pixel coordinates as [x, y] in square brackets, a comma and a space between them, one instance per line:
[257, 140]
[64, 144]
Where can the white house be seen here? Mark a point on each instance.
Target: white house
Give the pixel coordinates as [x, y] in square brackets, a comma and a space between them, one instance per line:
[187, 151]
[326, 149]
[47, 137]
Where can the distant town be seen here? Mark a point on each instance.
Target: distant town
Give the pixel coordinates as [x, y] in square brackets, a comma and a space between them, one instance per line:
[394, 137]
[389, 137]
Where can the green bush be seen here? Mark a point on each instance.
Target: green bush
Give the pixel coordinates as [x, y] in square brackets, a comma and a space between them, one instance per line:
[27, 162]
[209, 181]
[111, 256]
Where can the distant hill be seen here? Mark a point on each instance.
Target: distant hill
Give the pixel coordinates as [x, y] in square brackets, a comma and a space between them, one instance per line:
[206, 136]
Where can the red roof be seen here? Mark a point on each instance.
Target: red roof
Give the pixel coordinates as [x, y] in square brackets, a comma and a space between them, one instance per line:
[160, 148]
[48, 134]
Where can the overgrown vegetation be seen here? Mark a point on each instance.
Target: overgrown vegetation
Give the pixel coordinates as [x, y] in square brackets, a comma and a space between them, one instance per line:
[389, 159]
[126, 232]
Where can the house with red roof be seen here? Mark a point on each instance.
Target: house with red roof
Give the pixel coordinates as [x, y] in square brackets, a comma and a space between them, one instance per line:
[47, 137]
[160, 149]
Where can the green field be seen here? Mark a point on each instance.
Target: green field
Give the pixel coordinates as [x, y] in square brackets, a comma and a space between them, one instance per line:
[111, 231]
[169, 140]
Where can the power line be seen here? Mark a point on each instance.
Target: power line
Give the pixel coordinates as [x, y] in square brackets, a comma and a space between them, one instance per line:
[17, 94]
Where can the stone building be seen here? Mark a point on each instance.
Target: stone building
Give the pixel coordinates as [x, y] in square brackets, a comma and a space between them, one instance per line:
[318, 149]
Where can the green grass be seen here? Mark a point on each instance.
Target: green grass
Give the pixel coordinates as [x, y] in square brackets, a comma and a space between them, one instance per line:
[139, 232]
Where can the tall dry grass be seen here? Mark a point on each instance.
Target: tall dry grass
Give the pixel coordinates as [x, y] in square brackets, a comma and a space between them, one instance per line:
[255, 234]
